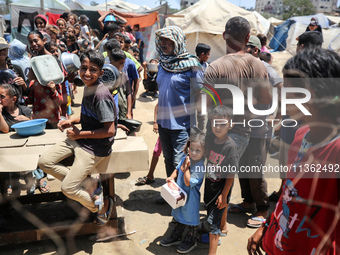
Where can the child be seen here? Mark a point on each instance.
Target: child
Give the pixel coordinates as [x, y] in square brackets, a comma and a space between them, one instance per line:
[94, 37]
[189, 174]
[11, 112]
[40, 22]
[127, 43]
[305, 220]
[61, 24]
[203, 53]
[263, 40]
[91, 144]
[139, 41]
[72, 46]
[47, 99]
[222, 154]
[117, 59]
[135, 52]
[149, 81]
[83, 20]
[266, 57]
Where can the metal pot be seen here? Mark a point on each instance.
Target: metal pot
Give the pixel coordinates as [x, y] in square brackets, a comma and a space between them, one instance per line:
[70, 62]
[111, 77]
[46, 69]
[152, 67]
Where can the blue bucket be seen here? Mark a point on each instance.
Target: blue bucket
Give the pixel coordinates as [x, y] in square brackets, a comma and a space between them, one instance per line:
[30, 127]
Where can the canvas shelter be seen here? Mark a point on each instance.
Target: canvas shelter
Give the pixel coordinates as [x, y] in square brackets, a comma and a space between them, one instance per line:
[205, 21]
[28, 8]
[285, 34]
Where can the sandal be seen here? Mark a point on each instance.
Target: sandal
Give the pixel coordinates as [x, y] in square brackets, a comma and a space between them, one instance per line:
[44, 188]
[102, 219]
[144, 180]
[238, 208]
[258, 219]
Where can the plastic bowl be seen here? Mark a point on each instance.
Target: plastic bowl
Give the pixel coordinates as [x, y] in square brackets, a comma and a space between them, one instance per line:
[30, 127]
[132, 125]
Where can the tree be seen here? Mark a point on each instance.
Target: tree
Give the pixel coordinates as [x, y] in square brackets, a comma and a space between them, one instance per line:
[93, 3]
[297, 8]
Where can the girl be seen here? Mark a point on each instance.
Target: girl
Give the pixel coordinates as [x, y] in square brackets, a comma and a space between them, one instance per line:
[61, 24]
[12, 112]
[189, 176]
[45, 99]
[72, 19]
[40, 22]
[305, 220]
[83, 20]
[53, 33]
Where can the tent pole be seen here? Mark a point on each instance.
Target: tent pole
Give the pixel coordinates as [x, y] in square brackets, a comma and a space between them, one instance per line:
[42, 5]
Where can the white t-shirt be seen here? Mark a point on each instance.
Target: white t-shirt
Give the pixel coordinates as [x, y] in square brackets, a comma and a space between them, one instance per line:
[85, 31]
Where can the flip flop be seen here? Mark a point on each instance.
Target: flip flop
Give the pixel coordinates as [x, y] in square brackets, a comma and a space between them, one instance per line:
[257, 225]
[102, 219]
[144, 180]
[240, 209]
[98, 196]
[223, 234]
[43, 188]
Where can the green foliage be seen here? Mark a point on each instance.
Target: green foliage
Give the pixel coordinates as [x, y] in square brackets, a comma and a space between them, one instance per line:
[297, 8]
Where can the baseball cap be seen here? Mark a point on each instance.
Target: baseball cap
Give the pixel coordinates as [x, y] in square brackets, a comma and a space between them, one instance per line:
[254, 41]
[3, 44]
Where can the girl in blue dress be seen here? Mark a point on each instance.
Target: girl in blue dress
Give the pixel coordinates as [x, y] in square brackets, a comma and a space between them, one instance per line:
[189, 174]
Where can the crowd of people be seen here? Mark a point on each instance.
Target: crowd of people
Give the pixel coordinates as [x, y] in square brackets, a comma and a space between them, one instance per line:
[195, 147]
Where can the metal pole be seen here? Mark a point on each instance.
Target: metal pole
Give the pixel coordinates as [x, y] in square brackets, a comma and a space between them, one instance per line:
[106, 5]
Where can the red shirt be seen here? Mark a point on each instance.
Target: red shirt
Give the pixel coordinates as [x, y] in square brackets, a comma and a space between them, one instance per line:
[45, 103]
[306, 211]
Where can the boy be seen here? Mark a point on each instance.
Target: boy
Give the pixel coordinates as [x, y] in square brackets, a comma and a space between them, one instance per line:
[127, 43]
[149, 81]
[139, 41]
[117, 59]
[91, 144]
[222, 155]
[203, 54]
[135, 52]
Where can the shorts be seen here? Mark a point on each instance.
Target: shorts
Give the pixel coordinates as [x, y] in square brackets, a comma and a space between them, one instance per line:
[214, 218]
[158, 148]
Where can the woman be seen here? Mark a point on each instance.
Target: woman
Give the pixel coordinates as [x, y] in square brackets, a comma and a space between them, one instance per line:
[176, 68]
[314, 25]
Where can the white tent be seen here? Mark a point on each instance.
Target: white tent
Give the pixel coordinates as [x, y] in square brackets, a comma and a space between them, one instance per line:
[118, 5]
[205, 21]
[32, 6]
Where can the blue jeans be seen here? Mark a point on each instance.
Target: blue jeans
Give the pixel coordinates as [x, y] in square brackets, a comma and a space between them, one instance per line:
[173, 142]
[241, 142]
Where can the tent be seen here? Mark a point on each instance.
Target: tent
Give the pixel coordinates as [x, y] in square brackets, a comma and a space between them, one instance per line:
[285, 34]
[20, 8]
[205, 21]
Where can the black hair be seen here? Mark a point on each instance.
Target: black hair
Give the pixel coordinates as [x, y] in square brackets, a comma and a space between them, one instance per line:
[117, 54]
[134, 49]
[94, 57]
[63, 39]
[202, 48]
[238, 27]
[311, 39]
[50, 44]
[95, 31]
[119, 22]
[112, 44]
[12, 90]
[265, 56]
[127, 39]
[9, 63]
[83, 18]
[119, 34]
[112, 27]
[197, 137]
[136, 25]
[36, 32]
[222, 111]
[64, 15]
[320, 68]
[128, 28]
[263, 39]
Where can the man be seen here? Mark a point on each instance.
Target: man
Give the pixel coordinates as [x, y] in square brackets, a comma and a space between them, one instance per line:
[239, 69]
[308, 40]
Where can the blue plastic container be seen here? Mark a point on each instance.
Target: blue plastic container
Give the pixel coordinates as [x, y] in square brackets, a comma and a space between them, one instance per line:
[30, 127]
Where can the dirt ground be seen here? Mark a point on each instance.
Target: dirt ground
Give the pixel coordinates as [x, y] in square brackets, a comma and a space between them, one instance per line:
[151, 222]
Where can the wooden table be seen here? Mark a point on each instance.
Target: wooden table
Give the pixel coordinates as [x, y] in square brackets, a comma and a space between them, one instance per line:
[18, 154]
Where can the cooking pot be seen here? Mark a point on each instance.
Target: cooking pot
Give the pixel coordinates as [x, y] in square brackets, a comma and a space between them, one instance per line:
[70, 62]
[111, 77]
[47, 69]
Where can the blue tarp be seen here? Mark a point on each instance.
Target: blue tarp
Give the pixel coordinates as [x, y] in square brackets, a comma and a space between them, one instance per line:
[278, 42]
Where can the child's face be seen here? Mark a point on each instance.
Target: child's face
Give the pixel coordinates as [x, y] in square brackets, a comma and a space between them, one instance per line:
[71, 20]
[136, 55]
[52, 35]
[121, 41]
[36, 43]
[5, 99]
[204, 56]
[61, 25]
[54, 51]
[70, 31]
[77, 29]
[39, 23]
[220, 127]
[118, 64]
[3, 54]
[196, 151]
[90, 72]
[127, 46]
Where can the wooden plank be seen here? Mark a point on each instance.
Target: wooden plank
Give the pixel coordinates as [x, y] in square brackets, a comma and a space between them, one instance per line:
[43, 234]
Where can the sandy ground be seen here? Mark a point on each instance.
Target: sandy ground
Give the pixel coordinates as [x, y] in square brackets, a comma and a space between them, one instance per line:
[151, 222]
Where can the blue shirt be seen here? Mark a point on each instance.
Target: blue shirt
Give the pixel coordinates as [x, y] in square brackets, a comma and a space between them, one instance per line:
[174, 111]
[189, 214]
[130, 70]
[138, 35]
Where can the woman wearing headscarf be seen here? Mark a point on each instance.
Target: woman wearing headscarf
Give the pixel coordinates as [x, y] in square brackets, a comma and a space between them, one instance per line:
[176, 69]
